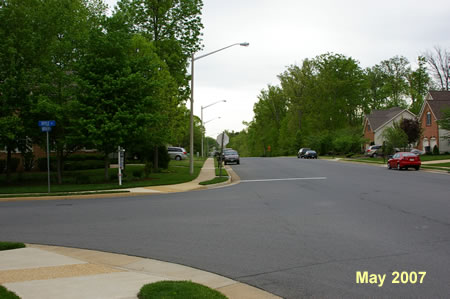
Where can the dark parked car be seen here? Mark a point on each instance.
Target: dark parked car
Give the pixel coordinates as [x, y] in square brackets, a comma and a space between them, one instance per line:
[302, 151]
[231, 156]
[404, 160]
[310, 155]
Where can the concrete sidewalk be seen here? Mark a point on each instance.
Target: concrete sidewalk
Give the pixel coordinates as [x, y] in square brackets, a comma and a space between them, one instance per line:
[49, 272]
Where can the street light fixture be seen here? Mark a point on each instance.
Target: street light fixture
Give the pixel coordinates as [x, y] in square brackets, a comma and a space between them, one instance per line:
[191, 137]
[203, 124]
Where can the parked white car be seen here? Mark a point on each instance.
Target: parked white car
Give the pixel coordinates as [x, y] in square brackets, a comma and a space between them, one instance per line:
[177, 153]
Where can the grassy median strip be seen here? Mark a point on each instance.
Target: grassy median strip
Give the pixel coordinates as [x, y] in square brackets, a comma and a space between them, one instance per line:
[178, 290]
[10, 245]
[92, 180]
[215, 180]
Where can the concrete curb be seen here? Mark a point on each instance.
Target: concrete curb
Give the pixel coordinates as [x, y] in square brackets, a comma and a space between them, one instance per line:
[65, 273]
[233, 179]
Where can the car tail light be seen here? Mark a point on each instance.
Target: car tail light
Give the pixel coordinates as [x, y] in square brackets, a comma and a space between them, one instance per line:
[185, 153]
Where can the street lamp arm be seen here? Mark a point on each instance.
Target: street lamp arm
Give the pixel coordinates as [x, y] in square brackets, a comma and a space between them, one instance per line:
[210, 53]
[204, 107]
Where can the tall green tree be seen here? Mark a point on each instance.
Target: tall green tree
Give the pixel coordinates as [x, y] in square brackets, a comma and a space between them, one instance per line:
[396, 72]
[418, 85]
[174, 26]
[123, 81]
[20, 57]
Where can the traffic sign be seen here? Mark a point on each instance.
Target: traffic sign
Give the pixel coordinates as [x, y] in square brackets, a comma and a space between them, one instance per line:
[46, 123]
[46, 129]
[226, 139]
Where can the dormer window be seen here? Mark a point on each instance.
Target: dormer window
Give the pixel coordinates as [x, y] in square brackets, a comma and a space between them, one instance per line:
[428, 118]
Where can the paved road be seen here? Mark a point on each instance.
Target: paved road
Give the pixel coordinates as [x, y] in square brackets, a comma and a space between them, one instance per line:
[295, 238]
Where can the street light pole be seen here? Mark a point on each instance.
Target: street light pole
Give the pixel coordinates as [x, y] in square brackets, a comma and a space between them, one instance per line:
[191, 138]
[203, 124]
[191, 129]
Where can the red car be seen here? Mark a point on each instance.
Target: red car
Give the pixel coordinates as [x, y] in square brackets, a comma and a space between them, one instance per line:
[404, 160]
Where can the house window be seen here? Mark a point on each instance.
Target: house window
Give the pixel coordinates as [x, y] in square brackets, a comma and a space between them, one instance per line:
[428, 118]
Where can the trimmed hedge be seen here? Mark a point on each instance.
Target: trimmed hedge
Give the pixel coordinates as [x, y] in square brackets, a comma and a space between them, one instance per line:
[74, 162]
[14, 163]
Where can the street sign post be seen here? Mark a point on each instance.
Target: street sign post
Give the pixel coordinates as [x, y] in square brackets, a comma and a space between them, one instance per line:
[222, 140]
[46, 126]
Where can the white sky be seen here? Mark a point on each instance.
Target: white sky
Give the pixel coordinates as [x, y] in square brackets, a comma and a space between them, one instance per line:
[285, 32]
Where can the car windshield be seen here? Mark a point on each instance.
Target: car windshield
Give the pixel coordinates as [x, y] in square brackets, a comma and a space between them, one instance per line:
[230, 153]
[409, 155]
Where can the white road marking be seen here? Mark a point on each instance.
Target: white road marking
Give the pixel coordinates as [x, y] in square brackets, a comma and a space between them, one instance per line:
[286, 179]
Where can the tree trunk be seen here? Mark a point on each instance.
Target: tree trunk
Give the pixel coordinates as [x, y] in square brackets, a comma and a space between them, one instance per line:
[107, 167]
[155, 158]
[59, 165]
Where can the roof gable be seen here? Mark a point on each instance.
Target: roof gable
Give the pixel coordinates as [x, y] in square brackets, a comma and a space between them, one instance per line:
[378, 118]
[437, 101]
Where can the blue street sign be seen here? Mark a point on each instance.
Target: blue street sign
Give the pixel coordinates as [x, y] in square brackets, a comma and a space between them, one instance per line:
[46, 123]
[46, 129]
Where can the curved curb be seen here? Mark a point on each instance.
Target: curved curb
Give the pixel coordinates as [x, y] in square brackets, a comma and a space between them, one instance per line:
[96, 269]
[233, 179]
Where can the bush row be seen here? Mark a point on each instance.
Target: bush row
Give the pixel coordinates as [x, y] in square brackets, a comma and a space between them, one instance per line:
[70, 164]
[14, 163]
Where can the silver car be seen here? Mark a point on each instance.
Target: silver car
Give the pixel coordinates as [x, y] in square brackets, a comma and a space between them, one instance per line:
[177, 153]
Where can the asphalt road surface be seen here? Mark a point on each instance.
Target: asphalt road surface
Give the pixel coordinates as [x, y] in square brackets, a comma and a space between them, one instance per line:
[297, 228]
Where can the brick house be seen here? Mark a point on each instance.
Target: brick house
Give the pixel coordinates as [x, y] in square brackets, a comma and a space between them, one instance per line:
[379, 120]
[432, 111]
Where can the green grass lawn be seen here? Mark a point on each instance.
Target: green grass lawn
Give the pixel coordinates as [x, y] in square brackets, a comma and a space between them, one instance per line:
[10, 245]
[439, 164]
[90, 180]
[5, 294]
[434, 158]
[222, 171]
[178, 290]
[215, 180]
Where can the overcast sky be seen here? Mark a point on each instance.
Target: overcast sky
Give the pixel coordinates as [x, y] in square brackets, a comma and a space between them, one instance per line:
[285, 32]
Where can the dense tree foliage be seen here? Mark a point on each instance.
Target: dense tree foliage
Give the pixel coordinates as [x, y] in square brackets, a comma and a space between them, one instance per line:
[107, 81]
[321, 104]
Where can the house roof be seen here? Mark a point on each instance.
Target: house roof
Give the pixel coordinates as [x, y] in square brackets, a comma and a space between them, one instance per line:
[439, 101]
[378, 118]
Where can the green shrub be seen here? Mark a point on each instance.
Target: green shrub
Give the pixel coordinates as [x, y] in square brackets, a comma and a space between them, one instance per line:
[138, 173]
[42, 163]
[28, 161]
[84, 165]
[321, 142]
[435, 150]
[82, 179]
[163, 157]
[84, 157]
[113, 177]
[13, 164]
[148, 168]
